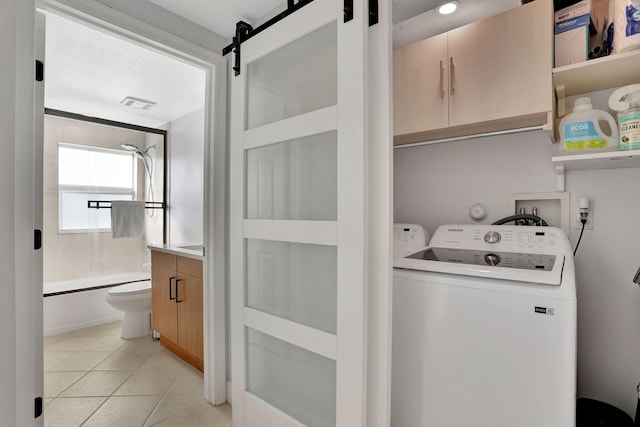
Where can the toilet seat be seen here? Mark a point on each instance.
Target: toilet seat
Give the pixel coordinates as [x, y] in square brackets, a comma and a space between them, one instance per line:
[134, 288]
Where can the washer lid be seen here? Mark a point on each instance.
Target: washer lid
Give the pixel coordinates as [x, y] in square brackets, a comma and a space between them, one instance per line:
[516, 267]
[131, 288]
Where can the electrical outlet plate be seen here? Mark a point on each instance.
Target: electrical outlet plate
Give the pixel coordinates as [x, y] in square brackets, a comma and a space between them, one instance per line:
[577, 225]
[552, 206]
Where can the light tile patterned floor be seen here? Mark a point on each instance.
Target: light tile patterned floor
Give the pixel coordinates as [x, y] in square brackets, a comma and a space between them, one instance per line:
[94, 378]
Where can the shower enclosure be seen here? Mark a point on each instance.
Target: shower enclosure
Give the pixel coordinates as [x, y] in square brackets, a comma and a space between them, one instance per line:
[89, 163]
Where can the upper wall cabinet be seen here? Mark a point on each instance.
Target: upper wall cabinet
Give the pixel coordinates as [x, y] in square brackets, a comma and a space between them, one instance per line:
[490, 75]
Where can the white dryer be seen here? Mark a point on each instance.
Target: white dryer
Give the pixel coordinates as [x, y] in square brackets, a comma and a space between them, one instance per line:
[484, 329]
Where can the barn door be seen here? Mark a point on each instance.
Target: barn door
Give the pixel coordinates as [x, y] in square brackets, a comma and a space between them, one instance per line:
[297, 217]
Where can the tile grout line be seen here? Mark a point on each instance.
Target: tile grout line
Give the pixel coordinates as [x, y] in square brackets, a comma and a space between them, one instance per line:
[164, 395]
[106, 398]
[117, 388]
[87, 373]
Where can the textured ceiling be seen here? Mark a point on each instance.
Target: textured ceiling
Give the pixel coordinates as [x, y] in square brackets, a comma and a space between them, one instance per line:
[89, 72]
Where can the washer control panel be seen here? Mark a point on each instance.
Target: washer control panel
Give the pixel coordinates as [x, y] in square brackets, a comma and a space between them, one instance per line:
[408, 236]
[506, 238]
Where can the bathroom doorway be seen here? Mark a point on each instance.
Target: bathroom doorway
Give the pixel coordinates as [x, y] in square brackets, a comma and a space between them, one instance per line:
[208, 225]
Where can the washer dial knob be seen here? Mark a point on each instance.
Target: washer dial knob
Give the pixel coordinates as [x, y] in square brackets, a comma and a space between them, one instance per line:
[492, 237]
[492, 259]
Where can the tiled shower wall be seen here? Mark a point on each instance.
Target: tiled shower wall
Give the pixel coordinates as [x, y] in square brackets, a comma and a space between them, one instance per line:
[78, 255]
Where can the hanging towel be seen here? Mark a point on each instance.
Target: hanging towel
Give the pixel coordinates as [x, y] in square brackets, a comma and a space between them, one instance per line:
[127, 218]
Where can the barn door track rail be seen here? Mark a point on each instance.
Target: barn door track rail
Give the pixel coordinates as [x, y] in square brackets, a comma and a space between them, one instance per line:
[245, 31]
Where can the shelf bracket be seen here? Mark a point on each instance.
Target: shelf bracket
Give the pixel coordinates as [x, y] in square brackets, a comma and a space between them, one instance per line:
[560, 178]
[561, 97]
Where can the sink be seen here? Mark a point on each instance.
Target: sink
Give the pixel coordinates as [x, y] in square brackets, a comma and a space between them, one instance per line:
[198, 248]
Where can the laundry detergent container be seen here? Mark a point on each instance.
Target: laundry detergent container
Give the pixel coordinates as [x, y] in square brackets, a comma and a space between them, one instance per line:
[593, 413]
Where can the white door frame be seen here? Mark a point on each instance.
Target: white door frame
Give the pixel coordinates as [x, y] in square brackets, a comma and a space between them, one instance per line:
[215, 217]
[18, 381]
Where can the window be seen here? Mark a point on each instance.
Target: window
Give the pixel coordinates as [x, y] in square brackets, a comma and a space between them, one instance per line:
[92, 173]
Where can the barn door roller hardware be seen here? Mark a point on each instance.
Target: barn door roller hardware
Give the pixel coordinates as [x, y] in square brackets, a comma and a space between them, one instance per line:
[245, 31]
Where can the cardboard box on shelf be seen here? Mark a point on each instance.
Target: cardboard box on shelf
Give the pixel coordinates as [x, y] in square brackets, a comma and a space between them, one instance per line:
[573, 26]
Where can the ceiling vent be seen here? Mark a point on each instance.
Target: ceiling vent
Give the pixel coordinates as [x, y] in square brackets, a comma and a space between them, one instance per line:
[140, 104]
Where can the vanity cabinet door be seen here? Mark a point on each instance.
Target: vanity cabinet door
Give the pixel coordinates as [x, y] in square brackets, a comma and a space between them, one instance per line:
[164, 316]
[190, 321]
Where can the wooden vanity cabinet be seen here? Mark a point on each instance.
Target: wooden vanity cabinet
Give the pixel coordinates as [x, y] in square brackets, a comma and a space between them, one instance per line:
[176, 305]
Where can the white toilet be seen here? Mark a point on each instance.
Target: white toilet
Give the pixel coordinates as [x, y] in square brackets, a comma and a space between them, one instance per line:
[134, 299]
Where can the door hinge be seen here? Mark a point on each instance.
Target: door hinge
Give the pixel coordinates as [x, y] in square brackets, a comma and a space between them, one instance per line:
[39, 71]
[37, 239]
[348, 10]
[373, 12]
[37, 407]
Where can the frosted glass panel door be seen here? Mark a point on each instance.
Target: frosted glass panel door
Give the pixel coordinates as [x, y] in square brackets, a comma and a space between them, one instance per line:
[297, 222]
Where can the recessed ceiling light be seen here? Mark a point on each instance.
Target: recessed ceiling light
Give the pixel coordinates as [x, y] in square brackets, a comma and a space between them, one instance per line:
[140, 104]
[448, 7]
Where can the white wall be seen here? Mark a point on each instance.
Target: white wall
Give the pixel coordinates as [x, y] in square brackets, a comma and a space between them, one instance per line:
[186, 179]
[437, 184]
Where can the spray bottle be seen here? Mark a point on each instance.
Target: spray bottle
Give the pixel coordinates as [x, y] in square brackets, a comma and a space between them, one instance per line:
[626, 101]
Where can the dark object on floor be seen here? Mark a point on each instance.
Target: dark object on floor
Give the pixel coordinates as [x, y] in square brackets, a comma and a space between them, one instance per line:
[635, 279]
[593, 413]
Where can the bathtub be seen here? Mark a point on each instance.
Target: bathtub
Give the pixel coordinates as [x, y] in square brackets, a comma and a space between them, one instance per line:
[78, 304]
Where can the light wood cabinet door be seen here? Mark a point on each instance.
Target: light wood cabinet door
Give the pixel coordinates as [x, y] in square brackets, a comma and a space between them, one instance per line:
[176, 305]
[420, 86]
[502, 65]
[190, 320]
[164, 316]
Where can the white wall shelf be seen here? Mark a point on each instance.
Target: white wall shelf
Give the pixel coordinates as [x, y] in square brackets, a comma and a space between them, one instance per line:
[606, 160]
[596, 74]
[591, 161]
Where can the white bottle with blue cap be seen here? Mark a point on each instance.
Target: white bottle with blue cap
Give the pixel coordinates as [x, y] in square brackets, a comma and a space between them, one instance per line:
[581, 130]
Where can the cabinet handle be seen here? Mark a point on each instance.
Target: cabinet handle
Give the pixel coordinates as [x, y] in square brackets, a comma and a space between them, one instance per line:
[177, 297]
[451, 69]
[171, 279]
[441, 79]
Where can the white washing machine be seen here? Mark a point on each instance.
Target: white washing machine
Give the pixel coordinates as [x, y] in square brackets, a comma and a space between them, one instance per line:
[484, 329]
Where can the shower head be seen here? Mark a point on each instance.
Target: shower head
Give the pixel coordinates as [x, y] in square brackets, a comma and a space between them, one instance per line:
[137, 151]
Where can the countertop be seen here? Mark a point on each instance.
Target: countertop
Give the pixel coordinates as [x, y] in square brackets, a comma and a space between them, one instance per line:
[181, 249]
